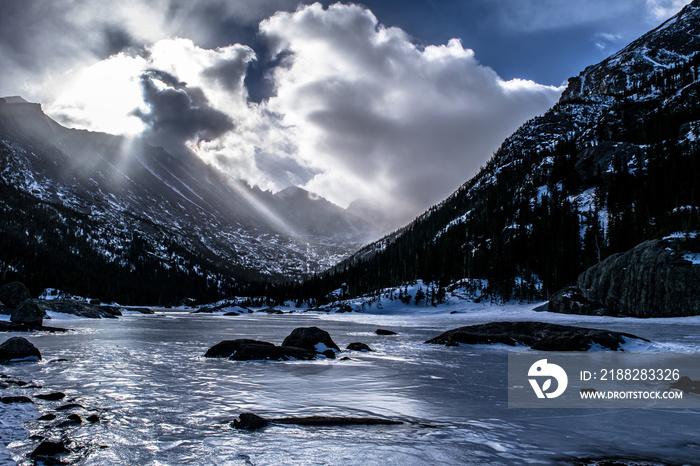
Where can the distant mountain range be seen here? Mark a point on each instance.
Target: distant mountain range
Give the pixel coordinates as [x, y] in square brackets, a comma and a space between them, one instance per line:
[113, 217]
[615, 162]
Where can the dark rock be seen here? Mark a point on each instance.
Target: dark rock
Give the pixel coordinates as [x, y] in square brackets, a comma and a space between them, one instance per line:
[69, 406]
[28, 313]
[345, 358]
[686, 385]
[271, 310]
[592, 161]
[253, 350]
[49, 448]
[231, 314]
[329, 353]
[226, 348]
[51, 396]
[13, 327]
[93, 418]
[541, 308]
[651, 280]
[15, 399]
[81, 309]
[309, 338]
[47, 417]
[381, 331]
[570, 300]
[5, 310]
[249, 421]
[253, 421]
[18, 348]
[357, 346]
[13, 294]
[537, 335]
[343, 308]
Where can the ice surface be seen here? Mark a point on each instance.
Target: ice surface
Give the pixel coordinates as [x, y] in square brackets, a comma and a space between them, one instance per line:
[166, 404]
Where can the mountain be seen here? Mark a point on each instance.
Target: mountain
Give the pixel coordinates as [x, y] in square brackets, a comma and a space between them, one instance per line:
[113, 217]
[613, 163]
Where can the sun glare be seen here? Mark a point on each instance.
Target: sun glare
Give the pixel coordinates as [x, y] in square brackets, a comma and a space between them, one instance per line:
[102, 97]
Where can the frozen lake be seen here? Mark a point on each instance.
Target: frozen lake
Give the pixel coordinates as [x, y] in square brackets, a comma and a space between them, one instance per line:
[163, 403]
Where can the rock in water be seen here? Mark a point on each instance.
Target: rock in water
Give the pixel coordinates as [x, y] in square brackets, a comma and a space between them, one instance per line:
[29, 314]
[381, 331]
[49, 448]
[253, 421]
[18, 348]
[657, 278]
[13, 294]
[253, 350]
[310, 338]
[537, 335]
[357, 346]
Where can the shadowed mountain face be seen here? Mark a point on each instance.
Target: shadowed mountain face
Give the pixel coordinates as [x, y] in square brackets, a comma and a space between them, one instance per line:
[74, 200]
[615, 162]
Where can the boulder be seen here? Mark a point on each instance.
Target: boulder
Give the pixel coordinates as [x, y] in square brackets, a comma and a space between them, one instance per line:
[253, 350]
[539, 336]
[49, 448]
[657, 278]
[18, 348]
[357, 346]
[56, 396]
[13, 294]
[28, 313]
[15, 399]
[381, 331]
[310, 338]
[570, 300]
[81, 309]
[686, 385]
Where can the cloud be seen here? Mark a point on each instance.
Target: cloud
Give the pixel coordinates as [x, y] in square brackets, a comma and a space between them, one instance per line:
[544, 15]
[661, 10]
[178, 114]
[383, 118]
[356, 109]
[605, 41]
[51, 38]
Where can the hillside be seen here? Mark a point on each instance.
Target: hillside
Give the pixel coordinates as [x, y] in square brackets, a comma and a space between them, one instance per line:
[112, 217]
[613, 163]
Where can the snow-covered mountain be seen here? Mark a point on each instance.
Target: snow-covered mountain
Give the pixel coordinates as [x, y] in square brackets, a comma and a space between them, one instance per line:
[616, 161]
[93, 212]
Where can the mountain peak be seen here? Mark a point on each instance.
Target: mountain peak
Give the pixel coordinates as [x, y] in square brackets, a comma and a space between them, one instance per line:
[676, 39]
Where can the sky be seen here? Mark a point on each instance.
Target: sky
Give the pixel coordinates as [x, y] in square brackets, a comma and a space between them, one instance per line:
[394, 102]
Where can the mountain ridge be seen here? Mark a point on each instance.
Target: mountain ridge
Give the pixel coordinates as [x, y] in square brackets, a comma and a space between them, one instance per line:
[120, 200]
[567, 188]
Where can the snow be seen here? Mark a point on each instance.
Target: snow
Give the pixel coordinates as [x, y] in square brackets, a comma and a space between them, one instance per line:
[693, 258]
[681, 235]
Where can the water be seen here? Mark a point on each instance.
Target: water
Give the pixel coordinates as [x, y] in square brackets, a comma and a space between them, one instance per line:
[163, 403]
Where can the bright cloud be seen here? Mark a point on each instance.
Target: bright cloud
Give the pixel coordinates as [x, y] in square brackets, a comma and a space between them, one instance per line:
[358, 110]
[383, 118]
